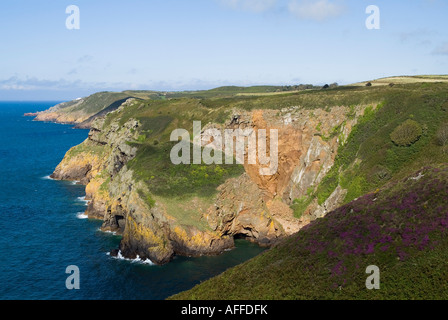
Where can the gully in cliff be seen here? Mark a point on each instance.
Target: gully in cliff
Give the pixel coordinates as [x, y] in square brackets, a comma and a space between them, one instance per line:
[215, 142]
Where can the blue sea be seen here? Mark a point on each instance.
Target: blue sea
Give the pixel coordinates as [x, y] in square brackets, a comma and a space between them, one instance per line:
[42, 230]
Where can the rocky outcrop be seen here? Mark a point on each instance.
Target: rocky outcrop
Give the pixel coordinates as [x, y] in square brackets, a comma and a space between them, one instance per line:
[240, 210]
[82, 112]
[308, 141]
[333, 201]
[253, 205]
[59, 113]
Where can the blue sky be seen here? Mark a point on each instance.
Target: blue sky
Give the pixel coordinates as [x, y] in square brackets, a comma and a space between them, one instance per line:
[201, 44]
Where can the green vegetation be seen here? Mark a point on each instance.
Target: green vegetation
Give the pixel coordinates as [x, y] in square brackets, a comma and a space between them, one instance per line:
[402, 229]
[100, 101]
[352, 113]
[369, 158]
[188, 209]
[397, 221]
[153, 166]
[442, 136]
[299, 205]
[227, 91]
[105, 185]
[147, 198]
[336, 131]
[412, 114]
[366, 161]
[86, 147]
[406, 133]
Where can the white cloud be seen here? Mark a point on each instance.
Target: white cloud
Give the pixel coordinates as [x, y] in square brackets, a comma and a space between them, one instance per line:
[33, 83]
[442, 49]
[318, 10]
[85, 59]
[16, 83]
[256, 6]
[420, 36]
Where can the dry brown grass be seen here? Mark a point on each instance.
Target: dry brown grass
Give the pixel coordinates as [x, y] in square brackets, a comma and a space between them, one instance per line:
[404, 80]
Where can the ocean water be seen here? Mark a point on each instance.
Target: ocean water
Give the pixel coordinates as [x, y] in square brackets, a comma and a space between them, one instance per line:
[43, 230]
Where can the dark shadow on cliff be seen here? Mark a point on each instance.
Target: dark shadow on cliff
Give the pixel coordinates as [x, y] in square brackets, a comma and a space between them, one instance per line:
[114, 106]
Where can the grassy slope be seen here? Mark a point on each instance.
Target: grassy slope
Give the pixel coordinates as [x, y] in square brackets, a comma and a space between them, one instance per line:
[370, 158]
[91, 104]
[105, 100]
[402, 229]
[404, 80]
[160, 117]
[108, 101]
[176, 186]
[367, 161]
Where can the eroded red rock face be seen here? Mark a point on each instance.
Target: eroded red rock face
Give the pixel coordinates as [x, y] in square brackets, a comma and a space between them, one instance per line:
[253, 205]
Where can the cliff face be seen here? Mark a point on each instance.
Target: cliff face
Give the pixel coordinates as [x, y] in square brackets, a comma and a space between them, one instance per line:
[258, 206]
[400, 227]
[58, 113]
[83, 111]
[251, 205]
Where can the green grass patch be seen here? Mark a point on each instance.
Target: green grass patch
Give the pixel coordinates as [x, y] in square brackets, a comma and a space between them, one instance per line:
[153, 165]
[187, 210]
[370, 141]
[299, 205]
[86, 147]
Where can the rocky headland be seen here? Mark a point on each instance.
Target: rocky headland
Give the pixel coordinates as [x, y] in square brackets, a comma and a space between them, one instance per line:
[256, 207]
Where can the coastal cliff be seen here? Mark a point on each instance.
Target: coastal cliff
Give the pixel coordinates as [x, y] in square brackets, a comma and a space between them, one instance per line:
[381, 203]
[157, 226]
[333, 147]
[81, 112]
[348, 168]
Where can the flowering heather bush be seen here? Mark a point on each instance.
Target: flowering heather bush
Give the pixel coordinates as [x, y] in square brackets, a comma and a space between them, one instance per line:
[402, 229]
[395, 224]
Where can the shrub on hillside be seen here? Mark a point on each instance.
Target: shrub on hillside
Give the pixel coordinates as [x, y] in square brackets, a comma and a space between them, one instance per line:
[407, 133]
[442, 136]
